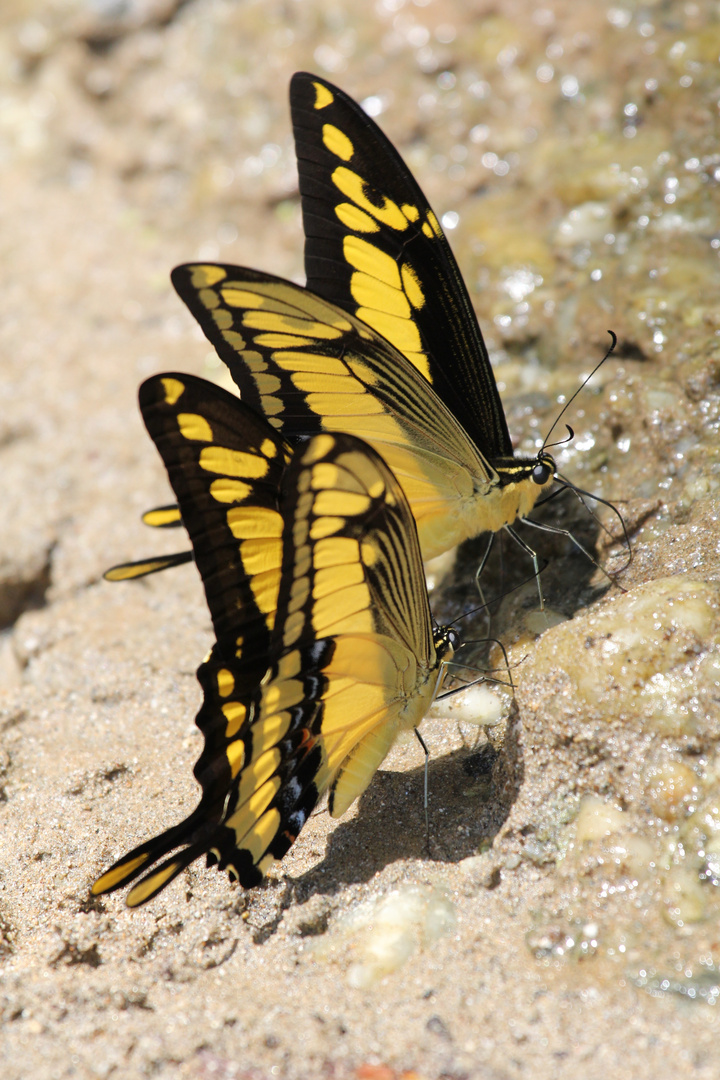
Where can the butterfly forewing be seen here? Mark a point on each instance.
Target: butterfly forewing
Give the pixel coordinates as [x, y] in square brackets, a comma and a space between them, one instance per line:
[386, 347]
[224, 464]
[308, 366]
[374, 247]
[351, 657]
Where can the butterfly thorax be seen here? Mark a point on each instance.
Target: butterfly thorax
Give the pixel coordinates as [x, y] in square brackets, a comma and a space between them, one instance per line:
[429, 679]
[522, 481]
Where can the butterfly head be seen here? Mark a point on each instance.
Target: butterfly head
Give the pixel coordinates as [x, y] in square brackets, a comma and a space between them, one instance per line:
[447, 640]
[544, 469]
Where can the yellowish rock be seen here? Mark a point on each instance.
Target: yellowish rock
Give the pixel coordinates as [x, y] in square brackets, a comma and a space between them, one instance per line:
[597, 819]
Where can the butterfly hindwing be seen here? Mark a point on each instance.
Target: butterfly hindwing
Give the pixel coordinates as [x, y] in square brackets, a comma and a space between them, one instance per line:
[374, 247]
[357, 564]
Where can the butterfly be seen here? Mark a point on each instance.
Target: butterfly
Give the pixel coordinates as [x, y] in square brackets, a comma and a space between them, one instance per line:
[383, 342]
[325, 644]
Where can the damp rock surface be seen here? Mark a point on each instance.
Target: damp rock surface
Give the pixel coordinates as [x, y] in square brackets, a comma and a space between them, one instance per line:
[560, 918]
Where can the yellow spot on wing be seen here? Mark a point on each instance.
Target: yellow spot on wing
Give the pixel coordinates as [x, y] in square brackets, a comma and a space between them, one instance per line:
[411, 212]
[261, 557]
[298, 594]
[326, 526]
[235, 713]
[324, 475]
[323, 96]
[337, 142]
[341, 503]
[368, 292]
[117, 874]
[228, 491]
[302, 561]
[284, 324]
[269, 733]
[194, 427]
[265, 588]
[254, 360]
[293, 628]
[278, 341]
[267, 384]
[222, 318]
[402, 333]
[355, 404]
[411, 284]
[352, 217]
[158, 518]
[365, 472]
[353, 187]
[173, 389]
[369, 553]
[128, 571]
[281, 694]
[225, 682]
[219, 459]
[202, 275]
[254, 521]
[335, 551]
[242, 298]
[268, 448]
[289, 665]
[370, 260]
[350, 603]
[235, 753]
[209, 298]
[318, 448]
[331, 580]
[256, 790]
[235, 339]
[310, 362]
[261, 835]
[434, 223]
[156, 881]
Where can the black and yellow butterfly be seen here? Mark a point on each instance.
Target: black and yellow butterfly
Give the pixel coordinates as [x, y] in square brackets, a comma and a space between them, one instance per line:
[325, 647]
[383, 342]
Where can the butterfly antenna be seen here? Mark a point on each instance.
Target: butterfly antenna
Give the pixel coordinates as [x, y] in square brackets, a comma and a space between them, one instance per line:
[562, 442]
[582, 386]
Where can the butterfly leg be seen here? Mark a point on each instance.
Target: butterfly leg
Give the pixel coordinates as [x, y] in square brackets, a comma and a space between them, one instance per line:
[478, 575]
[543, 527]
[533, 555]
[425, 796]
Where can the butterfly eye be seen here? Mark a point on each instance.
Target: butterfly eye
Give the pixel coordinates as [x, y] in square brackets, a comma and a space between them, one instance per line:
[541, 473]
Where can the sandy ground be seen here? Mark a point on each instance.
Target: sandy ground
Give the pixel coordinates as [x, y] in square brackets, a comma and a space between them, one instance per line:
[563, 919]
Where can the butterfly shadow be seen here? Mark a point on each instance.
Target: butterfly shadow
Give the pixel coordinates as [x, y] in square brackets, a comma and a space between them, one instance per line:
[470, 792]
[569, 579]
